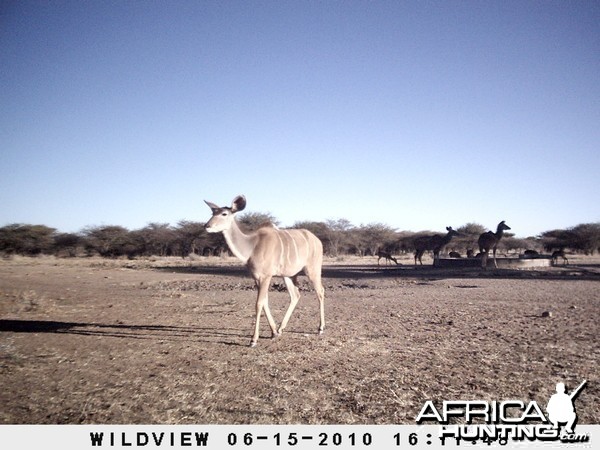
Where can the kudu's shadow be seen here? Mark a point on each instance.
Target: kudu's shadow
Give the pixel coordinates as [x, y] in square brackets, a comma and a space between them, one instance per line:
[428, 272]
[127, 331]
[337, 271]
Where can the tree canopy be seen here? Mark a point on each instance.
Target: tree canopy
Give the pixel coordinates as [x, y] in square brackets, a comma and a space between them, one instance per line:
[339, 237]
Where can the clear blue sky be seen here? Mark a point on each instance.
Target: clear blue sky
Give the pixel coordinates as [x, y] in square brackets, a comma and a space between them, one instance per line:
[415, 114]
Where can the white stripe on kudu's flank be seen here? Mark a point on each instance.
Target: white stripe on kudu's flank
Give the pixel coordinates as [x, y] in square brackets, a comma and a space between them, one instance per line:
[296, 252]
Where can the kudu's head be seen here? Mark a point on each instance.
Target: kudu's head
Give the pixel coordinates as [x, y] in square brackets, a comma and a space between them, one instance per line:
[223, 217]
[452, 232]
[502, 226]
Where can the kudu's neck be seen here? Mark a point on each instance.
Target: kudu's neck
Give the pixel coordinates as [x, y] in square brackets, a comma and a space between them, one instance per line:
[499, 233]
[240, 243]
[447, 238]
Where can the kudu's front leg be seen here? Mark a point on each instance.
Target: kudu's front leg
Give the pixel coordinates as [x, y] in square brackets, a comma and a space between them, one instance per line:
[262, 303]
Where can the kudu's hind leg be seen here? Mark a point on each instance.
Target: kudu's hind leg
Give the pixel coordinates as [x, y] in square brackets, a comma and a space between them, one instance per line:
[418, 255]
[291, 285]
[314, 275]
[321, 297]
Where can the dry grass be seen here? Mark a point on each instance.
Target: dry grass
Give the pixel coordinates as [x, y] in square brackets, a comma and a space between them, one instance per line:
[164, 341]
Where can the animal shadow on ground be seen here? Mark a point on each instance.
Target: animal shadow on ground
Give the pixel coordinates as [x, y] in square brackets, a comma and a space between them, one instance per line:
[120, 330]
[579, 272]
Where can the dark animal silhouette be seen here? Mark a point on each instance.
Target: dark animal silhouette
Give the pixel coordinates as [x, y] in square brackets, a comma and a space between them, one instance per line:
[454, 255]
[387, 255]
[489, 241]
[559, 254]
[434, 242]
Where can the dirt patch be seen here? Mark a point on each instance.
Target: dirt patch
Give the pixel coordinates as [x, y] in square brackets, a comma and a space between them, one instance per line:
[165, 341]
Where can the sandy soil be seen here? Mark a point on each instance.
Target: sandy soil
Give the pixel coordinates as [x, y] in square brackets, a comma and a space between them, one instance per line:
[165, 341]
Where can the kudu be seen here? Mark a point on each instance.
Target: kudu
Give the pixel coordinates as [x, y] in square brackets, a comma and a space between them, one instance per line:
[269, 252]
[434, 242]
[489, 241]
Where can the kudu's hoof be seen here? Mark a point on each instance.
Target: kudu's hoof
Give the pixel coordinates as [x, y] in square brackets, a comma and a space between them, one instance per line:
[252, 344]
[276, 335]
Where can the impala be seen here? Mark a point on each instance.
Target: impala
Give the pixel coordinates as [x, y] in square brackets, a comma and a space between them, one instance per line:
[387, 256]
[269, 252]
[559, 254]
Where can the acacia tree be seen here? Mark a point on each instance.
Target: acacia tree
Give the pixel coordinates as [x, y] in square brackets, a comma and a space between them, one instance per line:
[557, 239]
[469, 235]
[109, 241]
[190, 238]
[586, 237]
[67, 243]
[26, 239]
[518, 245]
[405, 241]
[155, 239]
[369, 238]
[254, 220]
[337, 235]
[319, 229]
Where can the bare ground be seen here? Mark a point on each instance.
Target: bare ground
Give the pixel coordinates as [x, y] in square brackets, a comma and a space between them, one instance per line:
[165, 341]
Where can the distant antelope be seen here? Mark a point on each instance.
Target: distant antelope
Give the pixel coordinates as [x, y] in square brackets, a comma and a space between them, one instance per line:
[434, 242]
[531, 253]
[454, 255]
[489, 241]
[270, 252]
[387, 255]
[472, 254]
[559, 254]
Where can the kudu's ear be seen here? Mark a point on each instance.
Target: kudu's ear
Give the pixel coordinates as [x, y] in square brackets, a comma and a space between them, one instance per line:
[211, 205]
[238, 204]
